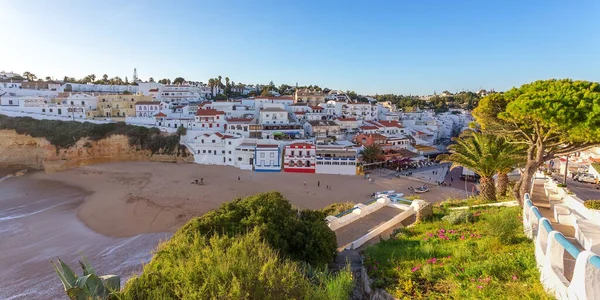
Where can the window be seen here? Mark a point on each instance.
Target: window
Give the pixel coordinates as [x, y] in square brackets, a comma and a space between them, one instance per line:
[299, 153]
[230, 158]
[43, 110]
[198, 151]
[72, 103]
[202, 141]
[82, 102]
[10, 102]
[222, 151]
[262, 155]
[130, 106]
[209, 151]
[272, 154]
[229, 144]
[292, 153]
[229, 152]
[213, 141]
[239, 159]
[203, 151]
[51, 110]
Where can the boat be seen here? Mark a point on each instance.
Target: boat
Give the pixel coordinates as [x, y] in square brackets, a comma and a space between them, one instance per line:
[421, 189]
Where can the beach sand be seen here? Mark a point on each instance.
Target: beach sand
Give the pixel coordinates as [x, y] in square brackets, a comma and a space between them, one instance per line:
[131, 198]
[129, 207]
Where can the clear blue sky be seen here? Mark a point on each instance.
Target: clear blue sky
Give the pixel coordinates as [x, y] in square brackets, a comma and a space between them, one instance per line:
[395, 46]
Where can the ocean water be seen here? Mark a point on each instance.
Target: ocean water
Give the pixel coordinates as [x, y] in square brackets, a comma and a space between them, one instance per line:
[38, 222]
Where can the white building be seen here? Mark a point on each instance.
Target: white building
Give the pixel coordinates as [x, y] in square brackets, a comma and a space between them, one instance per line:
[210, 120]
[274, 114]
[347, 124]
[6, 84]
[336, 160]
[239, 126]
[214, 149]
[179, 94]
[99, 88]
[147, 108]
[8, 75]
[90, 102]
[267, 158]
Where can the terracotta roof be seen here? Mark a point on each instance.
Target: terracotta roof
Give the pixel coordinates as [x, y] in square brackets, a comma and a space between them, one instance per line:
[147, 102]
[160, 114]
[223, 136]
[316, 107]
[390, 124]
[368, 127]
[274, 98]
[153, 90]
[346, 119]
[209, 112]
[377, 136]
[300, 113]
[239, 120]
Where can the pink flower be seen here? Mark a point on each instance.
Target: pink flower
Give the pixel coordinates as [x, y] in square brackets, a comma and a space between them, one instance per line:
[374, 267]
[425, 239]
[462, 237]
[441, 264]
[415, 268]
[448, 257]
[472, 279]
[429, 234]
[515, 277]
[432, 260]
[479, 287]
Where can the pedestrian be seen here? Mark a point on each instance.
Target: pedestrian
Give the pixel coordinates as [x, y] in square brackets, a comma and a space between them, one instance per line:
[318, 183]
[451, 178]
[304, 183]
[239, 179]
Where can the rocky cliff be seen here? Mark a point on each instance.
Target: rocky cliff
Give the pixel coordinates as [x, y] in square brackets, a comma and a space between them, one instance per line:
[18, 150]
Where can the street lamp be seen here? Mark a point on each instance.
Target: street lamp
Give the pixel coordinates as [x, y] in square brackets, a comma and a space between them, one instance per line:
[566, 170]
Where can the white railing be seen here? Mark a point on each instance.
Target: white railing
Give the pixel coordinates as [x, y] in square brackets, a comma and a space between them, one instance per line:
[550, 248]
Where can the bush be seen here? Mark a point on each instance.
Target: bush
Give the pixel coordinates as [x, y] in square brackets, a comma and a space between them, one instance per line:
[336, 208]
[299, 235]
[222, 267]
[561, 185]
[64, 134]
[592, 204]
[504, 226]
[459, 217]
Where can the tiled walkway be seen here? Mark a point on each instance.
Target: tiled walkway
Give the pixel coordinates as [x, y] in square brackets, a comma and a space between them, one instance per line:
[360, 227]
[540, 200]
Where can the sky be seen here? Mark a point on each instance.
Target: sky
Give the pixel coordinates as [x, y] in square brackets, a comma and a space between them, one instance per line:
[372, 47]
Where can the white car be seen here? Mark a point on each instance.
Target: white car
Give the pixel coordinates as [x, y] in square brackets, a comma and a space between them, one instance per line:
[589, 178]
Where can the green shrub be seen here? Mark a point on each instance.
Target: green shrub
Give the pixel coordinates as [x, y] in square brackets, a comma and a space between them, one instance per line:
[504, 226]
[301, 235]
[592, 204]
[561, 185]
[336, 208]
[458, 217]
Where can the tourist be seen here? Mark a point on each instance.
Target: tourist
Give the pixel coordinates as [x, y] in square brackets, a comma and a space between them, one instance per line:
[318, 183]
[304, 183]
[239, 179]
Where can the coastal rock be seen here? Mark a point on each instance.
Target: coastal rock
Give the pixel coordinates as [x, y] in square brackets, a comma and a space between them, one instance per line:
[17, 150]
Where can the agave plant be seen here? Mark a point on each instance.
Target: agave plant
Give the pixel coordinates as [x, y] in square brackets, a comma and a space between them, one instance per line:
[88, 286]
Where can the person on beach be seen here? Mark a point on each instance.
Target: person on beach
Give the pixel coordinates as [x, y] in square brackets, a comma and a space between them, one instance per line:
[239, 179]
[304, 183]
[318, 183]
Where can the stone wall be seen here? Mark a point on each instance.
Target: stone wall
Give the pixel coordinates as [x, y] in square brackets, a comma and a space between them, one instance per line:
[18, 150]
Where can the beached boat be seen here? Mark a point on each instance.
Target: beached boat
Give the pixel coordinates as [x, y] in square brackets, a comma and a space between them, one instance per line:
[421, 189]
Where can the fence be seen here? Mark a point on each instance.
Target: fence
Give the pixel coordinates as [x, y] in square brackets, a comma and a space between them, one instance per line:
[550, 249]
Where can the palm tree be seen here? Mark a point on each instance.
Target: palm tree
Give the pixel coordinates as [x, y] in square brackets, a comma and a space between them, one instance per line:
[220, 84]
[48, 78]
[485, 154]
[513, 155]
[372, 153]
[211, 83]
[105, 78]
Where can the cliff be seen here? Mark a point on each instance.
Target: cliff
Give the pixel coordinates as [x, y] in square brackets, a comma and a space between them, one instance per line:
[18, 150]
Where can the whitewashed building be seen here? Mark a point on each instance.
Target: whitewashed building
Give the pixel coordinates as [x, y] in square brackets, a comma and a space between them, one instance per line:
[336, 160]
[274, 115]
[267, 158]
[147, 108]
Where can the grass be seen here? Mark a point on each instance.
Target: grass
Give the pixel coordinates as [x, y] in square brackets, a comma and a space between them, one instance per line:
[482, 257]
[222, 267]
[473, 200]
[337, 208]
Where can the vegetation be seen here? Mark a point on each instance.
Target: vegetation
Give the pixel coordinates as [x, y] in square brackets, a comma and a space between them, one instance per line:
[561, 185]
[473, 200]
[259, 247]
[301, 235]
[592, 204]
[550, 117]
[64, 134]
[336, 208]
[487, 259]
[372, 153]
[486, 155]
[87, 286]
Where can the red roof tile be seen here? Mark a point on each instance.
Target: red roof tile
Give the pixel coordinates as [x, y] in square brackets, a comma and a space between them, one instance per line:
[153, 90]
[347, 119]
[368, 127]
[209, 112]
[301, 145]
[266, 146]
[160, 114]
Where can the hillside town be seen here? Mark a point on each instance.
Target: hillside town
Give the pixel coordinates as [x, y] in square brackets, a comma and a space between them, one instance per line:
[309, 131]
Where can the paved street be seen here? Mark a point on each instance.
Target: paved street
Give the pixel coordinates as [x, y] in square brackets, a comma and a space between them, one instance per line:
[583, 190]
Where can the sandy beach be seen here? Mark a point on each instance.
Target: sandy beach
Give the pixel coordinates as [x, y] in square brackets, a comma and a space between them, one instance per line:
[117, 213]
[127, 199]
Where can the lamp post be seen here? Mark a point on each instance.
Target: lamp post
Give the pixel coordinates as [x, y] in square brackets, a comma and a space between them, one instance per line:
[566, 170]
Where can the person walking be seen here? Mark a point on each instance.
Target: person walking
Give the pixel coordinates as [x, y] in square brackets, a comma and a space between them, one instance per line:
[304, 183]
[239, 179]
[318, 183]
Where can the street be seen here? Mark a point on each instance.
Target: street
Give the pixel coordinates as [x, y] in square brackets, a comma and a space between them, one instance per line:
[583, 190]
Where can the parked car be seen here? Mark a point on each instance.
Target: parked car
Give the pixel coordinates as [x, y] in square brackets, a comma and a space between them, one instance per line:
[589, 178]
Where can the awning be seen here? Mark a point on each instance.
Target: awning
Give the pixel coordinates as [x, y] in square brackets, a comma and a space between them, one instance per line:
[278, 133]
[418, 158]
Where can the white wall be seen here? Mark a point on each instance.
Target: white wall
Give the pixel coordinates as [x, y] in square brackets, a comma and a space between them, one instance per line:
[343, 167]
